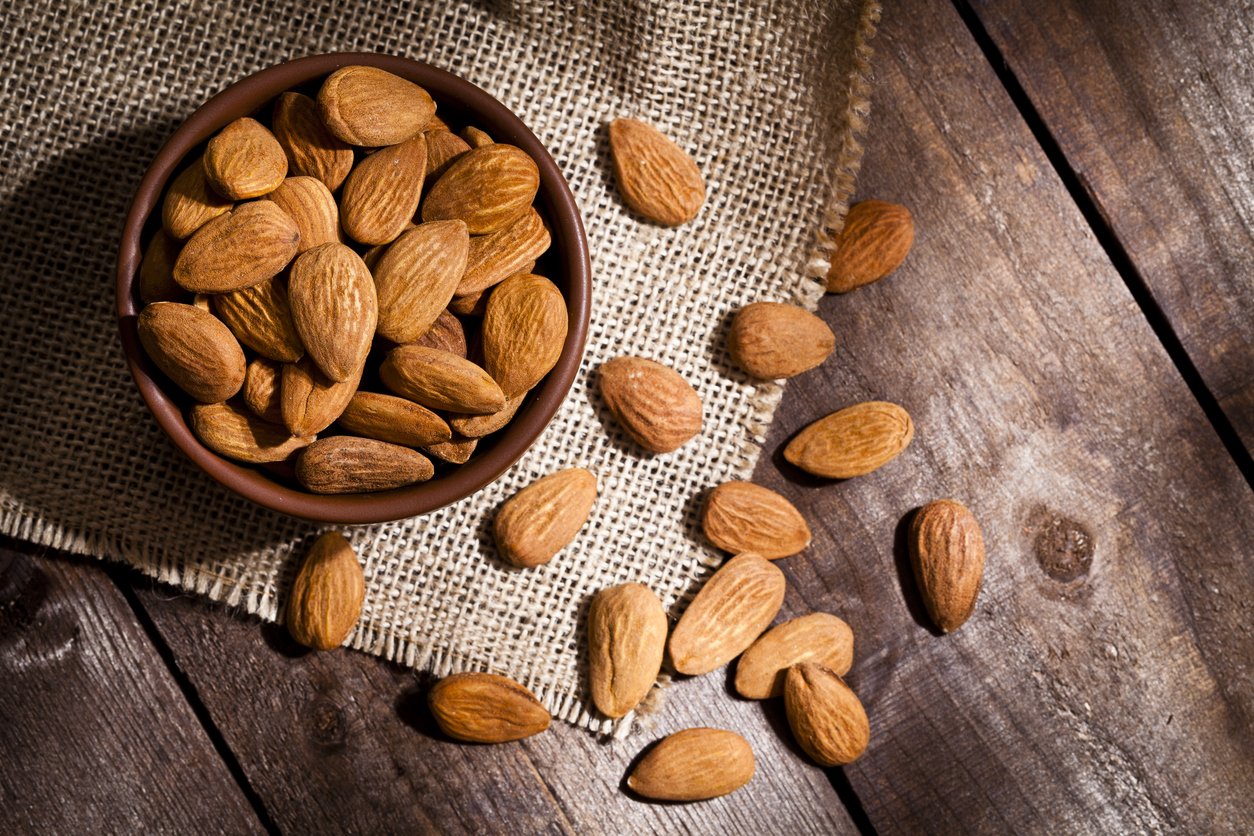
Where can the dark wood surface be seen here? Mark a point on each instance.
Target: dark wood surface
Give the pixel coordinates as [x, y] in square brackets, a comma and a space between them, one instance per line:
[1104, 683]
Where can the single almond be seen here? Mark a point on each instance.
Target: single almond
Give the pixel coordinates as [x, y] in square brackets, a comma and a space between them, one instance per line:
[263, 390]
[486, 708]
[771, 340]
[310, 204]
[237, 250]
[416, 277]
[244, 160]
[457, 451]
[524, 332]
[818, 637]
[947, 551]
[852, 442]
[476, 304]
[656, 407]
[656, 177]
[194, 349]
[744, 517]
[236, 433]
[190, 203]
[334, 308]
[875, 240]
[477, 426]
[544, 517]
[156, 270]
[486, 187]
[694, 765]
[445, 334]
[325, 600]
[826, 716]
[626, 642]
[440, 380]
[392, 419]
[372, 107]
[474, 137]
[311, 149]
[495, 257]
[381, 194]
[261, 318]
[347, 464]
[310, 401]
[443, 147]
[437, 124]
[736, 604]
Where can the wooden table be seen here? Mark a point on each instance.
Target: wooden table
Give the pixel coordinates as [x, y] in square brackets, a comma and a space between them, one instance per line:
[1074, 335]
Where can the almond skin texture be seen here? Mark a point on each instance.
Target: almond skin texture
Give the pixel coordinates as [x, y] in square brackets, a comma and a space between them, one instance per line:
[826, 717]
[310, 204]
[237, 434]
[345, 464]
[244, 160]
[875, 240]
[477, 426]
[694, 765]
[476, 304]
[486, 708]
[744, 517]
[541, 519]
[249, 245]
[486, 187]
[381, 194]
[626, 641]
[494, 258]
[439, 380]
[190, 203]
[656, 178]
[194, 349]
[416, 277]
[443, 147]
[770, 340]
[474, 137]
[817, 637]
[656, 407]
[156, 271]
[457, 451]
[393, 419]
[311, 149]
[852, 442]
[524, 331]
[325, 600]
[445, 334]
[261, 318]
[263, 390]
[372, 107]
[310, 401]
[334, 307]
[733, 608]
[947, 551]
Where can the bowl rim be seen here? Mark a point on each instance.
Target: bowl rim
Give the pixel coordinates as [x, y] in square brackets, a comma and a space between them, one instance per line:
[570, 247]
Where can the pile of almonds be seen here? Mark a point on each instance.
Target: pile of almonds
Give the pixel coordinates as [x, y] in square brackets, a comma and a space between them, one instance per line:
[353, 266]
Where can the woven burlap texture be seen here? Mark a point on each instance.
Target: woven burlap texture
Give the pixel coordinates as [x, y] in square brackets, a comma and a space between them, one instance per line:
[768, 97]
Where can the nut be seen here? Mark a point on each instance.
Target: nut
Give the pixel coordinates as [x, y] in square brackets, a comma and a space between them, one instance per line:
[655, 176]
[770, 340]
[439, 380]
[486, 187]
[416, 276]
[346, 464]
[325, 599]
[486, 708]
[237, 250]
[524, 330]
[238, 434]
[334, 308]
[744, 517]
[372, 107]
[311, 149]
[874, 242]
[694, 765]
[626, 642]
[260, 317]
[381, 194]
[541, 519]
[194, 349]
[947, 551]
[852, 442]
[727, 615]
[392, 419]
[190, 203]
[309, 203]
[657, 408]
[826, 717]
[817, 637]
[244, 160]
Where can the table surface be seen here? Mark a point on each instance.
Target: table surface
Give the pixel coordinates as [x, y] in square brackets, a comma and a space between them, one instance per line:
[1074, 332]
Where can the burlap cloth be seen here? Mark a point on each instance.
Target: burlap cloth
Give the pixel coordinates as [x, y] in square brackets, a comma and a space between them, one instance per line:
[768, 96]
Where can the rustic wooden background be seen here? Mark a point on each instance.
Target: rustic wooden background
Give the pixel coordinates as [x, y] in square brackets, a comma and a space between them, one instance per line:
[1074, 335]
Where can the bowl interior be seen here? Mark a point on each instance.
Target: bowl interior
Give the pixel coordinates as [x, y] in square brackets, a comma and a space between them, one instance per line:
[566, 264]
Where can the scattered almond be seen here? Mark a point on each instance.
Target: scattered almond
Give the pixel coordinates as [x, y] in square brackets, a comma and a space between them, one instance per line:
[346, 464]
[626, 642]
[852, 442]
[817, 637]
[656, 407]
[694, 765]
[826, 717]
[486, 187]
[655, 176]
[238, 250]
[875, 240]
[541, 519]
[372, 107]
[244, 160]
[486, 708]
[947, 551]
[744, 517]
[325, 600]
[193, 349]
[770, 340]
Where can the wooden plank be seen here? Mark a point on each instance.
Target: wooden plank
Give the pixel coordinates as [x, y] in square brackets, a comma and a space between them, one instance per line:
[96, 736]
[1104, 683]
[1153, 105]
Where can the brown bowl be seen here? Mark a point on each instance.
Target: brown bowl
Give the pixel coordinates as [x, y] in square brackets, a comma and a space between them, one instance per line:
[566, 264]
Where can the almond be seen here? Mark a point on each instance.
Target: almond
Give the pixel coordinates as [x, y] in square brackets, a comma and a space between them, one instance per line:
[457, 451]
[249, 245]
[826, 717]
[311, 401]
[476, 304]
[416, 277]
[656, 178]
[656, 407]
[508, 251]
[311, 149]
[626, 641]
[474, 137]
[852, 442]
[393, 419]
[263, 390]
[443, 147]
[694, 765]
[875, 240]
[486, 708]
[244, 160]
[486, 187]
[325, 600]
[947, 551]
[770, 340]
[544, 517]
[334, 308]
[309, 203]
[439, 380]
[372, 107]
[261, 318]
[381, 194]
[345, 464]
[237, 434]
[524, 331]
[477, 426]
[194, 349]
[817, 637]
[445, 334]
[733, 608]
[437, 124]
[744, 517]
[190, 204]
[156, 271]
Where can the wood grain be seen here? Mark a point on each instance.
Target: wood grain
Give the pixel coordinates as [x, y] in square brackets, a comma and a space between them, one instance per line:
[96, 736]
[1153, 105]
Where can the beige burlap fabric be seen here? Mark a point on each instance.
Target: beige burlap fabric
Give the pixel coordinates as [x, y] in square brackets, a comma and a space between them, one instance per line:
[768, 96]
